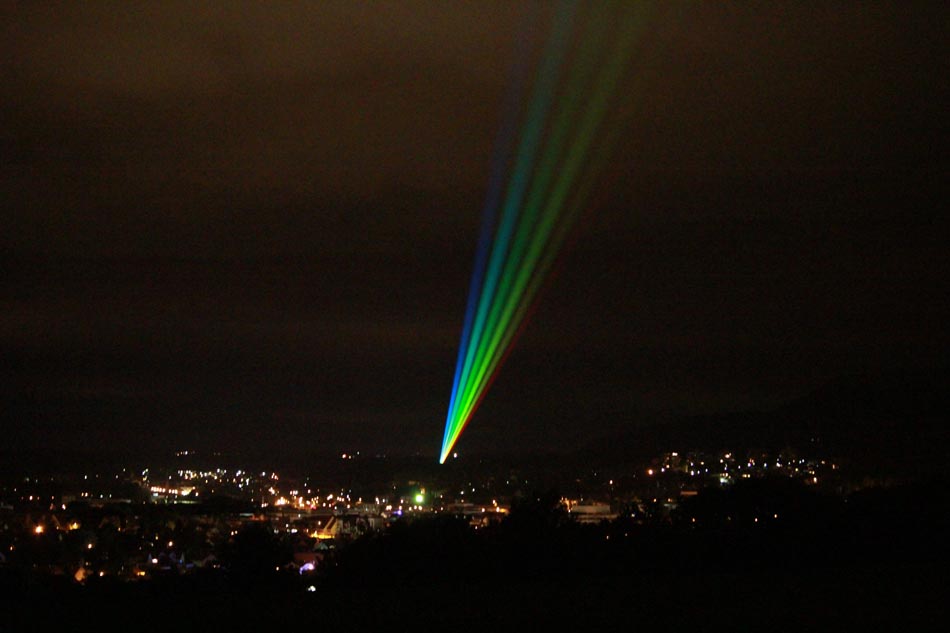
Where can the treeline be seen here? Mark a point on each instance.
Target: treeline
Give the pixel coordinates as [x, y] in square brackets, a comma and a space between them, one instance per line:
[768, 524]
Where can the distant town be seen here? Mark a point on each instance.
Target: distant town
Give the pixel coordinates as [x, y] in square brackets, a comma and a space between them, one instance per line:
[135, 524]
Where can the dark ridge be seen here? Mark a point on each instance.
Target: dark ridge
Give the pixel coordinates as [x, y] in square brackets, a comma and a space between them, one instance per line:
[888, 425]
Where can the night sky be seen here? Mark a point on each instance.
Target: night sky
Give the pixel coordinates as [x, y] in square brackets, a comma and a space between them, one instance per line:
[250, 226]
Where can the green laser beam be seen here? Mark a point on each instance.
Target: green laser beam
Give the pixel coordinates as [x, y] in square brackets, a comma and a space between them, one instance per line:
[542, 97]
[542, 202]
[584, 137]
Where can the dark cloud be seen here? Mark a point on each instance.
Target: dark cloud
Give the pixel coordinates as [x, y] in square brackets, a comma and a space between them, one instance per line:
[239, 223]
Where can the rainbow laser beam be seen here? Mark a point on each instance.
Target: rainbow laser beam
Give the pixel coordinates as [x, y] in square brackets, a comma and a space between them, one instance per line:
[548, 182]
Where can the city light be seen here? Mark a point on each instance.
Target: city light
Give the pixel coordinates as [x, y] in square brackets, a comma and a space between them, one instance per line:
[316, 518]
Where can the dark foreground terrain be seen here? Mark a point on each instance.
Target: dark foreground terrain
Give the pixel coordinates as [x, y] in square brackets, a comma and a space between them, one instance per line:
[862, 597]
[874, 560]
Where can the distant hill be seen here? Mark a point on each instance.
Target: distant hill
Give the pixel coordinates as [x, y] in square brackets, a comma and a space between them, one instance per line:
[889, 425]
